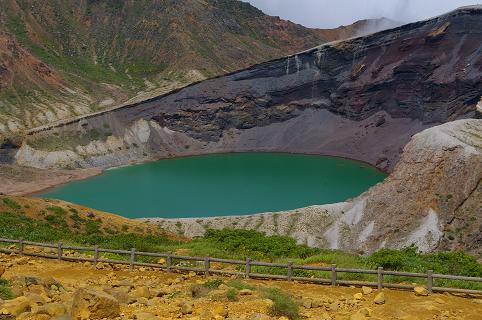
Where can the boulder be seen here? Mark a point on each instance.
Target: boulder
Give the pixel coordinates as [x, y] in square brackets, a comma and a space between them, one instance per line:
[92, 305]
[379, 298]
[367, 312]
[220, 310]
[307, 303]
[186, 308]
[366, 290]
[358, 296]
[333, 307]
[421, 291]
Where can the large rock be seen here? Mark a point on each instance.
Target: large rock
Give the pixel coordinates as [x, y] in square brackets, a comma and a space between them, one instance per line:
[420, 291]
[379, 298]
[16, 306]
[141, 292]
[89, 304]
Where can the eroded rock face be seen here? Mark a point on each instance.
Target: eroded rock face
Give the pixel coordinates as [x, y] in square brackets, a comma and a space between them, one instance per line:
[374, 91]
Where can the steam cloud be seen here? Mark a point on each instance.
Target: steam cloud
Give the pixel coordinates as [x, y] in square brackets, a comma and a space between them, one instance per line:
[333, 13]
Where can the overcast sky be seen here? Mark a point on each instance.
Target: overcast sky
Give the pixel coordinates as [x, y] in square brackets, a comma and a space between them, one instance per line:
[333, 13]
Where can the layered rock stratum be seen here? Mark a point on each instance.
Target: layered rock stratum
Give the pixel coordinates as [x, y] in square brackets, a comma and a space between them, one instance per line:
[362, 98]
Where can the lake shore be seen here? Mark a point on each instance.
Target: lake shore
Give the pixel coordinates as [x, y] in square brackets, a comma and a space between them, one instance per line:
[26, 181]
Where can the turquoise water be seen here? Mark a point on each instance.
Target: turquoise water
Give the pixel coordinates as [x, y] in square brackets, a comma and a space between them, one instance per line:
[222, 184]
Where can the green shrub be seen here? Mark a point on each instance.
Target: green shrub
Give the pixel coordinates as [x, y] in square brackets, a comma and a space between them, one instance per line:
[283, 304]
[11, 203]
[257, 244]
[232, 294]
[392, 259]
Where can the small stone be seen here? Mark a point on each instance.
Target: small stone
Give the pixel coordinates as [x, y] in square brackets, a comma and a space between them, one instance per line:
[245, 292]
[366, 290]
[192, 274]
[379, 298]
[421, 291]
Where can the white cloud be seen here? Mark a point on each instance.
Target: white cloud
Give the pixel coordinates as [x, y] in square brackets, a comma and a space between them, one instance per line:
[333, 13]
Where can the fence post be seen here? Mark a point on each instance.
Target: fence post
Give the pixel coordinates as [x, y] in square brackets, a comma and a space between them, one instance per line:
[96, 255]
[168, 262]
[207, 265]
[430, 281]
[247, 269]
[59, 250]
[290, 270]
[20, 246]
[380, 278]
[333, 274]
[133, 259]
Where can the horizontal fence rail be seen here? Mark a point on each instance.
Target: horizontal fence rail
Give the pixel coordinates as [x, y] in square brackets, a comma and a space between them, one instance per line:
[244, 267]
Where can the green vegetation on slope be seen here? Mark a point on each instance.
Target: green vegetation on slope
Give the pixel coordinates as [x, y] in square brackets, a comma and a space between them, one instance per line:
[66, 54]
[233, 244]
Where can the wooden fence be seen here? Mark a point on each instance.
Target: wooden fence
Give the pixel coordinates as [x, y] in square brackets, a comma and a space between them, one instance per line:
[244, 267]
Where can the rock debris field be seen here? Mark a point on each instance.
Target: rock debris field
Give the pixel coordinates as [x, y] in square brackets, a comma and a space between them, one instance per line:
[60, 290]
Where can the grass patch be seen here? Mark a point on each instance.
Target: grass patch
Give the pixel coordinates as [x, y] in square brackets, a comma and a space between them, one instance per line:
[283, 304]
[213, 284]
[232, 294]
[5, 291]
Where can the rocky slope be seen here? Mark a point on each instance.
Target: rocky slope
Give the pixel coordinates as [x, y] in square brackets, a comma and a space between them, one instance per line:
[359, 28]
[63, 290]
[60, 59]
[433, 199]
[362, 98]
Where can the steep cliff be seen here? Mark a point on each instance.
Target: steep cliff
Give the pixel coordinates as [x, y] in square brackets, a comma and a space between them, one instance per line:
[361, 98]
[433, 200]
